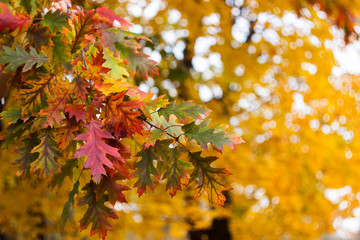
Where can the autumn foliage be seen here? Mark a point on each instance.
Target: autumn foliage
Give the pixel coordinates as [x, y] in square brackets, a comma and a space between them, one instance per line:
[76, 113]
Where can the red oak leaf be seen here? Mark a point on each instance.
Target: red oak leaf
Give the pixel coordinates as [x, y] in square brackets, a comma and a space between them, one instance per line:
[67, 132]
[111, 16]
[53, 112]
[120, 164]
[113, 188]
[84, 30]
[10, 21]
[97, 213]
[96, 149]
[76, 111]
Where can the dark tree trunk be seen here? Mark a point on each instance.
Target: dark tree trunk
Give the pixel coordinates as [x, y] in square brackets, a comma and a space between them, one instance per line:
[219, 229]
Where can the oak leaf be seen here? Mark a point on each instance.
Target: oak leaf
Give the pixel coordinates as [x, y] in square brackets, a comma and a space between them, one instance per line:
[175, 173]
[184, 110]
[110, 16]
[214, 135]
[96, 149]
[55, 20]
[76, 111]
[97, 213]
[18, 57]
[113, 63]
[26, 157]
[46, 162]
[144, 169]
[139, 63]
[121, 116]
[208, 179]
[11, 21]
[113, 188]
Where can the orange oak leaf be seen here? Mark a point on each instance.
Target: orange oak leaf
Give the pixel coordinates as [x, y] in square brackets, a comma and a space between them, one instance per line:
[95, 71]
[79, 87]
[96, 149]
[121, 116]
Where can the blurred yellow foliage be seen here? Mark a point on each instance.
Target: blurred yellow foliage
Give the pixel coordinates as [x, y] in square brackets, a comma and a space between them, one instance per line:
[270, 71]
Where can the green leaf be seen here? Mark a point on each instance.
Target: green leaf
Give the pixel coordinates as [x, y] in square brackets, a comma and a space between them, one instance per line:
[64, 216]
[183, 110]
[19, 56]
[175, 174]
[145, 168]
[46, 162]
[26, 156]
[12, 114]
[171, 126]
[97, 213]
[16, 130]
[204, 135]
[208, 179]
[31, 6]
[55, 20]
[61, 52]
[116, 72]
[74, 191]
[139, 63]
[68, 204]
[66, 171]
[155, 135]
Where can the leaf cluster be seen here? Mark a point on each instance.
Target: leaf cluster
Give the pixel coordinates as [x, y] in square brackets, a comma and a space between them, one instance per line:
[78, 116]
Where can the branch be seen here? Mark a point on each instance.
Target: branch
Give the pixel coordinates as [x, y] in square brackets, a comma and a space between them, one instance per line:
[164, 130]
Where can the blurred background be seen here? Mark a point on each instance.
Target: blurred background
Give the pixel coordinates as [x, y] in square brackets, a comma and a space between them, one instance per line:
[284, 75]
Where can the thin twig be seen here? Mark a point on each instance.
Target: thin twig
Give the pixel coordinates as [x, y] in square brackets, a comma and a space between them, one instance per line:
[164, 130]
[154, 126]
[175, 125]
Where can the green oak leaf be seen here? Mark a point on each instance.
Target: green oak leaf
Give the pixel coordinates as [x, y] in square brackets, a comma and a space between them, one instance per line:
[66, 171]
[55, 20]
[45, 163]
[144, 169]
[61, 52]
[175, 173]
[12, 114]
[116, 72]
[208, 179]
[19, 56]
[68, 204]
[204, 135]
[183, 110]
